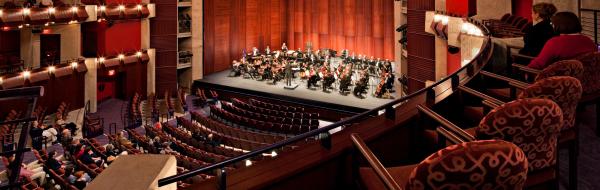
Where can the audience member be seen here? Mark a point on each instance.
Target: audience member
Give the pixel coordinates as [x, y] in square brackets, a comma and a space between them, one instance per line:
[36, 136]
[122, 140]
[90, 158]
[49, 133]
[66, 137]
[36, 173]
[568, 45]
[52, 163]
[537, 34]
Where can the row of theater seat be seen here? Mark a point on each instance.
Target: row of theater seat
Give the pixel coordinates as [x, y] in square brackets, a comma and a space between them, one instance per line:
[269, 118]
[135, 112]
[276, 127]
[187, 149]
[275, 106]
[203, 145]
[203, 98]
[290, 114]
[234, 131]
[508, 26]
[228, 140]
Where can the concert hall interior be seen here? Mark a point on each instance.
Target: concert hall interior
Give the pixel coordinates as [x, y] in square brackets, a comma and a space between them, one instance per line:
[299, 94]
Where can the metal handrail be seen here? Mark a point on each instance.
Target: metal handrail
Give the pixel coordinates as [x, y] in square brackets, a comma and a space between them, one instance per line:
[389, 112]
[595, 22]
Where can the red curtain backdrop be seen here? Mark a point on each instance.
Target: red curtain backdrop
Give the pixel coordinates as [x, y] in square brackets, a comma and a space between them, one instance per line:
[522, 8]
[361, 26]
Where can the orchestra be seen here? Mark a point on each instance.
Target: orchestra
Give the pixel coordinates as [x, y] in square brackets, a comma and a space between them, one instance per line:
[321, 68]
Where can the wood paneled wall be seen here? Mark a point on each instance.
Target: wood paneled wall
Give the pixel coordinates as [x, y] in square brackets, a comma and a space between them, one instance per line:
[421, 46]
[362, 26]
[163, 37]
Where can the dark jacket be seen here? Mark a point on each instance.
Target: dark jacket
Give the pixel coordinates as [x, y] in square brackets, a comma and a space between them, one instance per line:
[536, 37]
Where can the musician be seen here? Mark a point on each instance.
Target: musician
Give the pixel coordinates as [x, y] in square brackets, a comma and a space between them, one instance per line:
[235, 69]
[284, 48]
[288, 72]
[268, 51]
[313, 78]
[361, 85]
[255, 52]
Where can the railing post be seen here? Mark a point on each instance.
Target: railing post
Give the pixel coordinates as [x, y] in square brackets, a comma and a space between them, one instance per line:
[221, 179]
[390, 113]
[325, 140]
[455, 81]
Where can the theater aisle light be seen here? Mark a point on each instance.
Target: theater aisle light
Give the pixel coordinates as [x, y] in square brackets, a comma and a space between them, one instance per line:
[273, 154]
[248, 163]
[111, 72]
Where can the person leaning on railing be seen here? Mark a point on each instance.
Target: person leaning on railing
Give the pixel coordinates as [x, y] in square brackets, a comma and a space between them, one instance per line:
[569, 44]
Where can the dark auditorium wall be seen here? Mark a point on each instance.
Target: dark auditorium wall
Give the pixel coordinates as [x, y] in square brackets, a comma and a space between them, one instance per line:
[10, 43]
[69, 89]
[362, 26]
[522, 8]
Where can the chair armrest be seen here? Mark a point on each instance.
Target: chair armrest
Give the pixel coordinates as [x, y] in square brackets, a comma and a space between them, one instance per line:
[449, 126]
[449, 135]
[527, 69]
[383, 174]
[512, 82]
[523, 56]
[480, 95]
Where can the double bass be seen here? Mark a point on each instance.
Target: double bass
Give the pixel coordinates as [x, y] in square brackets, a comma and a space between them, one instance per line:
[381, 88]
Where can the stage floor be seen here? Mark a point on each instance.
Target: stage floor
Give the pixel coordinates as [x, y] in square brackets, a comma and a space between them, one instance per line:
[301, 95]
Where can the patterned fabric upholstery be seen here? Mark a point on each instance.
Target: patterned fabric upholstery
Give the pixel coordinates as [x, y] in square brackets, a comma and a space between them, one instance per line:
[532, 124]
[563, 90]
[572, 68]
[488, 164]
[591, 74]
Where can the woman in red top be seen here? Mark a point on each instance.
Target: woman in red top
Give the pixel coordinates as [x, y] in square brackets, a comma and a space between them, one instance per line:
[568, 45]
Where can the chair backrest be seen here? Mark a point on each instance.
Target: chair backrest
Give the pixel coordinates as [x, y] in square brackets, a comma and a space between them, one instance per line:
[472, 165]
[531, 124]
[591, 74]
[572, 68]
[563, 90]
[505, 17]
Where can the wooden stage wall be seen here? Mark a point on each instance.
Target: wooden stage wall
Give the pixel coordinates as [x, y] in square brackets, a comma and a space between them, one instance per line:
[361, 26]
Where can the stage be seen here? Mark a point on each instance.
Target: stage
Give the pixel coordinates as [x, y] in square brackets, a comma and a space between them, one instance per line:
[332, 100]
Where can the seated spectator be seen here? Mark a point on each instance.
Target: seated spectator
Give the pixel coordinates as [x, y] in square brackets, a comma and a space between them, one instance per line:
[81, 179]
[90, 158]
[52, 162]
[72, 127]
[36, 136]
[31, 173]
[568, 45]
[111, 153]
[49, 133]
[122, 140]
[158, 126]
[541, 31]
[79, 151]
[66, 137]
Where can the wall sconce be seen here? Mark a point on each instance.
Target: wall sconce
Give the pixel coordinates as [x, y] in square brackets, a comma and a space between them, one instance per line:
[51, 70]
[440, 25]
[1, 80]
[1, 12]
[121, 7]
[121, 57]
[101, 60]
[139, 7]
[471, 29]
[26, 11]
[139, 54]
[74, 65]
[51, 10]
[103, 8]
[273, 154]
[26, 74]
[248, 163]
[74, 9]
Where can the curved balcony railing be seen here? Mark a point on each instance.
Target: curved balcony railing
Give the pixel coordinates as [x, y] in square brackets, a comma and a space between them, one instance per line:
[396, 112]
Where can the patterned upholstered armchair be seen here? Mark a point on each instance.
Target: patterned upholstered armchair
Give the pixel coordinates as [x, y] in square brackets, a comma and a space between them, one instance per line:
[472, 165]
[591, 83]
